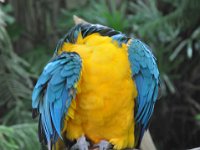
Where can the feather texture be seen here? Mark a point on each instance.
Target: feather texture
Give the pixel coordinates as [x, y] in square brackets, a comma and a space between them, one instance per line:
[51, 95]
[146, 76]
[88, 29]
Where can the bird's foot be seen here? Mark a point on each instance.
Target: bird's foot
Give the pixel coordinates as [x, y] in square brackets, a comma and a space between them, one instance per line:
[81, 144]
[104, 145]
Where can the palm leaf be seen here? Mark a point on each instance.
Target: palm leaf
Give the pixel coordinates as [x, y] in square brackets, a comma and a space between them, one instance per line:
[16, 84]
[22, 136]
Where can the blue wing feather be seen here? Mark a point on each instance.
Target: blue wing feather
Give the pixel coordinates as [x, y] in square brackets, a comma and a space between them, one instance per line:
[52, 96]
[146, 76]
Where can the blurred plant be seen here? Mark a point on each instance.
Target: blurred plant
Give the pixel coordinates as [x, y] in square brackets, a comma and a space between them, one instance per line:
[102, 12]
[15, 93]
[109, 13]
[38, 57]
[19, 137]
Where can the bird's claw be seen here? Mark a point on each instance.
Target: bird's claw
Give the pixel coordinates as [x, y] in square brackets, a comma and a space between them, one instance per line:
[81, 144]
[104, 145]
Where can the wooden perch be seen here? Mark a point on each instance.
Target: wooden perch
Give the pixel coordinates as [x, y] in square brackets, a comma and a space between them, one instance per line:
[147, 142]
[197, 148]
[78, 20]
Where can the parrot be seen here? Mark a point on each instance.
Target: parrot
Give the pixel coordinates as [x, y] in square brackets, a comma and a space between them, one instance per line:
[98, 90]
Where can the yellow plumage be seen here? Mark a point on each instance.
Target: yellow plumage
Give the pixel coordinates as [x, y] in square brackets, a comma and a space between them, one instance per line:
[104, 105]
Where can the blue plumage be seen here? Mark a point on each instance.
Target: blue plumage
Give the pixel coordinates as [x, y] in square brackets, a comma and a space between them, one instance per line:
[146, 76]
[52, 96]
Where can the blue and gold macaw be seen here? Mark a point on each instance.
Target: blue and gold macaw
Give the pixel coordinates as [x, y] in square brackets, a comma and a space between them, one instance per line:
[99, 89]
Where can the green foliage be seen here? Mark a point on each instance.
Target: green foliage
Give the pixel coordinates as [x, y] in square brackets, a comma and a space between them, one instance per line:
[4, 16]
[100, 12]
[108, 13]
[33, 55]
[19, 137]
[15, 82]
[15, 93]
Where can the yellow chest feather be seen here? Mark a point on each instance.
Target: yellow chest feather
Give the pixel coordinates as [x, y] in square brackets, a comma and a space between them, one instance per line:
[104, 106]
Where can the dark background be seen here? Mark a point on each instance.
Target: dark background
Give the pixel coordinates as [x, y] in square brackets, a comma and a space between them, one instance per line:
[29, 30]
